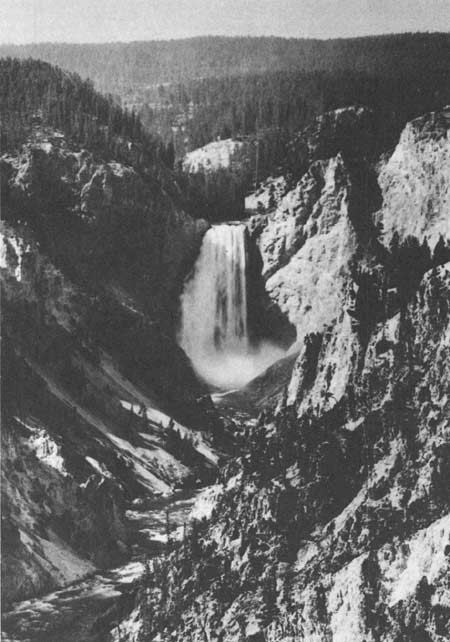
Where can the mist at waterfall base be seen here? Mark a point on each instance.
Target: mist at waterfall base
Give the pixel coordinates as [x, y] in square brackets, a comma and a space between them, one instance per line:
[214, 330]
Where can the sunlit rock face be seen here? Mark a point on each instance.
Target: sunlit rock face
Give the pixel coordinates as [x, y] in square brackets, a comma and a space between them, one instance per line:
[317, 239]
[308, 230]
[341, 533]
[391, 539]
[220, 154]
[415, 182]
[402, 506]
[307, 247]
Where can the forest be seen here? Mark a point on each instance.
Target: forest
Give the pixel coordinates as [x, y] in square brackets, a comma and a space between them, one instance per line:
[235, 106]
[117, 66]
[156, 98]
[269, 111]
[36, 93]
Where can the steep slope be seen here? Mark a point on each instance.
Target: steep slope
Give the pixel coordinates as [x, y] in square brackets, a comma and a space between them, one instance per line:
[334, 523]
[84, 212]
[75, 353]
[93, 254]
[415, 182]
[331, 523]
[324, 243]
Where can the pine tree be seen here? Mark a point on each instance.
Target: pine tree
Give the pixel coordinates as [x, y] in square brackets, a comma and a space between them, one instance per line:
[168, 531]
[441, 252]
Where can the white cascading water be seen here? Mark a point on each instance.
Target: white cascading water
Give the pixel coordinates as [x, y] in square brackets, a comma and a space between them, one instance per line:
[214, 316]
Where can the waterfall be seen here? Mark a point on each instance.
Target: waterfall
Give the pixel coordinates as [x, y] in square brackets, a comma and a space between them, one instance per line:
[214, 330]
[214, 324]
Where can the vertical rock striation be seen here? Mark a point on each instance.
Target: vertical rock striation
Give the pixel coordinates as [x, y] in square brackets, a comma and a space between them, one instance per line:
[334, 523]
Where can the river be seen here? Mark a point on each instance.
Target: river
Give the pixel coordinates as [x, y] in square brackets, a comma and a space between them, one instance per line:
[85, 610]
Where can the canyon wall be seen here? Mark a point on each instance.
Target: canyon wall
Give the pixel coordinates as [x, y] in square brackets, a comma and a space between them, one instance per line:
[333, 524]
[93, 256]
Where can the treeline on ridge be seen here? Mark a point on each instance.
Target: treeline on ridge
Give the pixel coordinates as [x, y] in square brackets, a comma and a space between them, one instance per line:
[36, 93]
[269, 111]
[114, 66]
[258, 105]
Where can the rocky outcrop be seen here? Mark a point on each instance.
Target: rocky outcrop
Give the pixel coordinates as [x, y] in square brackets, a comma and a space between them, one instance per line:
[85, 211]
[334, 523]
[310, 232]
[87, 421]
[95, 382]
[219, 154]
[321, 247]
[311, 235]
[350, 131]
[55, 528]
[382, 549]
[337, 529]
[267, 196]
[415, 182]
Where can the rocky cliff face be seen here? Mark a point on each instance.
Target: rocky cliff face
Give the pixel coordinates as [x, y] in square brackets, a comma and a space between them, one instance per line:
[56, 528]
[414, 182]
[85, 211]
[334, 523]
[311, 234]
[323, 244]
[93, 372]
[220, 154]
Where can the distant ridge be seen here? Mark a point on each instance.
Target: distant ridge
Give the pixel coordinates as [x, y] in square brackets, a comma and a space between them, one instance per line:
[145, 63]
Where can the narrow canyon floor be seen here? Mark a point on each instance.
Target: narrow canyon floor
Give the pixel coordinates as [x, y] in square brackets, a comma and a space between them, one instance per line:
[86, 610]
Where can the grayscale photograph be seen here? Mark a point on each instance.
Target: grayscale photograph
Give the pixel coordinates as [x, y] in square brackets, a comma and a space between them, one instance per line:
[225, 320]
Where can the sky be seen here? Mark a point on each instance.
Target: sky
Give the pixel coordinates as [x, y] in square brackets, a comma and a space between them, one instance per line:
[23, 21]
